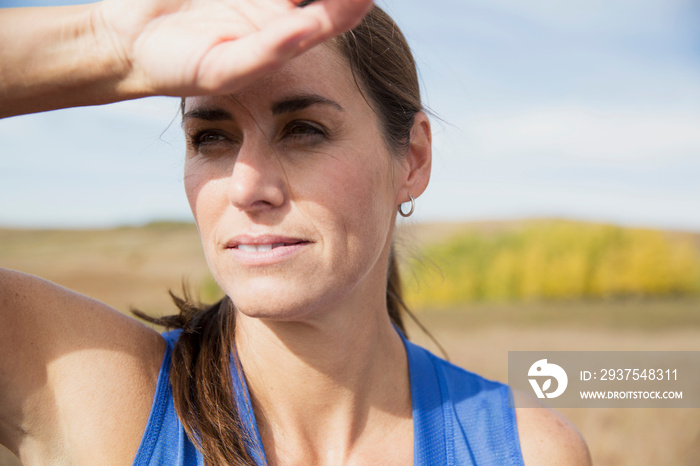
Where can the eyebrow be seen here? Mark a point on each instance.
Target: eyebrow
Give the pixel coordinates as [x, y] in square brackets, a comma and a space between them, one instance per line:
[300, 102]
[286, 105]
[208, 114]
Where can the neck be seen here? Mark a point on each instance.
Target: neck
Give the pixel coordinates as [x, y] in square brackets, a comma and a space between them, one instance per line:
[324, 385]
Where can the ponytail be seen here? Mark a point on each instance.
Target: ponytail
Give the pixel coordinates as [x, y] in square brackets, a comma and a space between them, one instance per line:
[201, 379]
[394, 300]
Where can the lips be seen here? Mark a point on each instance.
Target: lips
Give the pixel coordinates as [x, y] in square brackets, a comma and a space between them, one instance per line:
[266, 241]
[259, 247]
[263, 244]
[265, 247]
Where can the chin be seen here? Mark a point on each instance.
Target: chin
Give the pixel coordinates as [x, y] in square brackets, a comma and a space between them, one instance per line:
[281, 312]
[279, 303]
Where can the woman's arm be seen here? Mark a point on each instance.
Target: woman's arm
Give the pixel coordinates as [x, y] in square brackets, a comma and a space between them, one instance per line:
[50, 58]
[77, 377]
[123, 49]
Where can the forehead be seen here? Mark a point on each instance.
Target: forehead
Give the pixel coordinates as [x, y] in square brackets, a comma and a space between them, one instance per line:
[322, 70]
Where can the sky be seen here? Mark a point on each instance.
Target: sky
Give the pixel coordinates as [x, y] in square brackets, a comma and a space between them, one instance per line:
[583, 109]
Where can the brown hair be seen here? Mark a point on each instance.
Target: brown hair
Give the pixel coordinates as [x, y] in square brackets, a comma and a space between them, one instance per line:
[385, 72]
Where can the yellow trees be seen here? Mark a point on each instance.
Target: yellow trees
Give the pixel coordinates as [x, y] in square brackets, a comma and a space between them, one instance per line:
[554, 260]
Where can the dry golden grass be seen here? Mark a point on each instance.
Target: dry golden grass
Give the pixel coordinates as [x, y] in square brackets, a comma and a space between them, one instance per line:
[124, 267]
[136, 266]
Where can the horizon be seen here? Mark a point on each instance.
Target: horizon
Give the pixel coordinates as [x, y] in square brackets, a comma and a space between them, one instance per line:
[156, 223]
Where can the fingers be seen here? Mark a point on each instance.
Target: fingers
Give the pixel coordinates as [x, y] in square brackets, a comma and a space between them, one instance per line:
[335, 17]
[234, 64]
[231, 65]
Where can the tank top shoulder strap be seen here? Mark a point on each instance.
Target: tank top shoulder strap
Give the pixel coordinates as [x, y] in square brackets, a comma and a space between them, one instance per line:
[164, 441]
[459, 417]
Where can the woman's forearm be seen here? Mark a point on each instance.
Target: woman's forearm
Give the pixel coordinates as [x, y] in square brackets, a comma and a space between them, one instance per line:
[53, 58]
[56, 57]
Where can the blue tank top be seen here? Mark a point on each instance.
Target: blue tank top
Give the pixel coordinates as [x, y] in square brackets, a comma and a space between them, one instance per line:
[459, 418]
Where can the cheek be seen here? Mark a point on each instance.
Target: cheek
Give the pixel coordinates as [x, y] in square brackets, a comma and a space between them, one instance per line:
[204, 195]
[192, 188]
[360, 196]
[373, 191]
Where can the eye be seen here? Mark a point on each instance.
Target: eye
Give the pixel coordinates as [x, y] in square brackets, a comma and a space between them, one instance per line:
[304, 130]
[206, 137]
[210, 142]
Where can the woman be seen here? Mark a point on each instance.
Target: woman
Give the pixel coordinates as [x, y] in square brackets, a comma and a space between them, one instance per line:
[295, 171]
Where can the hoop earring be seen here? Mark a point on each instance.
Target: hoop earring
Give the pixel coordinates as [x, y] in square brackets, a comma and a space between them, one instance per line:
[413, 207]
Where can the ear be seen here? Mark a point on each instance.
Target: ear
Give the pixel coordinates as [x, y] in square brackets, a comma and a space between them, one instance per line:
[417, 161]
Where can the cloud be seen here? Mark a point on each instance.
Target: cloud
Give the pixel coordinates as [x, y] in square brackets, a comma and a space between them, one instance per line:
[93, 166]
[613, 164]
[611, 136]
[620, 18]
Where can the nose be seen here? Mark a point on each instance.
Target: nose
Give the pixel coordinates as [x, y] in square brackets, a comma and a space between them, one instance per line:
[257, 179]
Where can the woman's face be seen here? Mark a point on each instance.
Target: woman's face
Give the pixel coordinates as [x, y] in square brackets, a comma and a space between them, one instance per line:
[293, 189]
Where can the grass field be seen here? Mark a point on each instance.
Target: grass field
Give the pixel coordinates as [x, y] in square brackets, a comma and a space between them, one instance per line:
[134, 267]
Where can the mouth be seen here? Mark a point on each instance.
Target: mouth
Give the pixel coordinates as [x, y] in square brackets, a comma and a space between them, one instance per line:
[266, 247]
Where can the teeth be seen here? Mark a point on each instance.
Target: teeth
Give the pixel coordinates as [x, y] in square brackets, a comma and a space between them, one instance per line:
[255, 248]
[260, 247]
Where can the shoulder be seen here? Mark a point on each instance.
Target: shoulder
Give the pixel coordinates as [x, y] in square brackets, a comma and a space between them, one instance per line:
[547, 437]
[73, 371]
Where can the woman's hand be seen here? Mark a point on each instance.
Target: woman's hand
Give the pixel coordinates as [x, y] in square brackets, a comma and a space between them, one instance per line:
[123, 49]
[182, 48]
